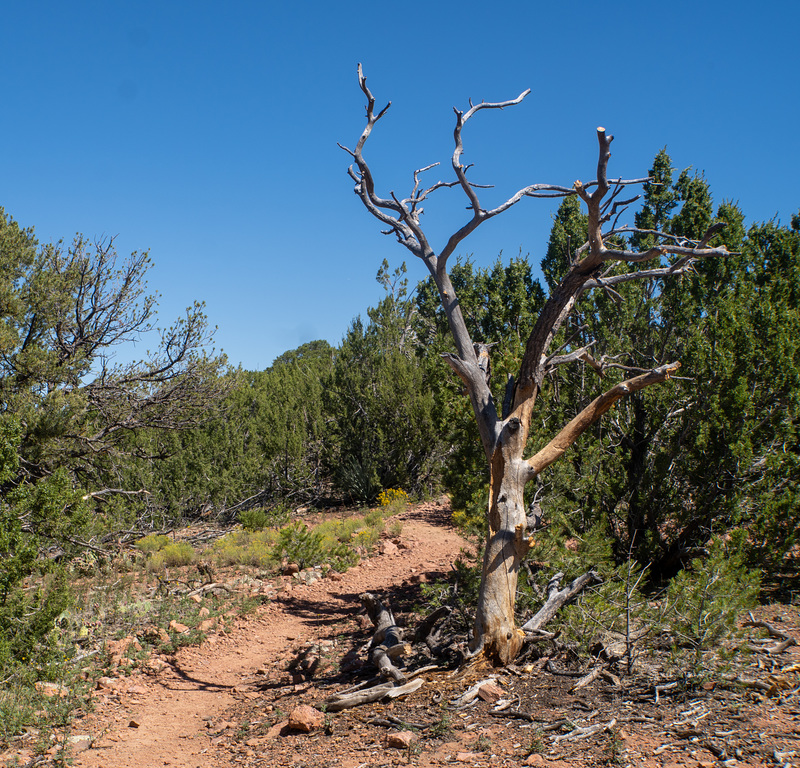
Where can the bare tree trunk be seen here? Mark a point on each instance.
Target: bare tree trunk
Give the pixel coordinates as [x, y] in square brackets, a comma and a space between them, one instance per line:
[504, 437]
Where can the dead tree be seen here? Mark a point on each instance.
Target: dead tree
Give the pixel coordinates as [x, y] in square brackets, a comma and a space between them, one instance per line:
[504, 434]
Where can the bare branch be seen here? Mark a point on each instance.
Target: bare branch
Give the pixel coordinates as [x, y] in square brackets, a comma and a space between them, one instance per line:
[589, 415]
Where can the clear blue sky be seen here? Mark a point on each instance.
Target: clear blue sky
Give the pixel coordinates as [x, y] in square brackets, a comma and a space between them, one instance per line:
[206, 132]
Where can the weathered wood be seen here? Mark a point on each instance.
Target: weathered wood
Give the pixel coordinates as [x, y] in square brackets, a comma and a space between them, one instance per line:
[556, 598]
[340, 701]
[387, 642]
[425, 627]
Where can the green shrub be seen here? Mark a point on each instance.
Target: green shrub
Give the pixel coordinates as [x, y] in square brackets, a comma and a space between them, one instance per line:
[308, 548]
[375, 519]
[153, 542]
[258, 519]
[704, 601]
[172, 555]
[246, 548]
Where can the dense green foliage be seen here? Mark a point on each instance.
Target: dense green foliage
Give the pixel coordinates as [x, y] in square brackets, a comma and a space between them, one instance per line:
[69, 412]
[717, 448]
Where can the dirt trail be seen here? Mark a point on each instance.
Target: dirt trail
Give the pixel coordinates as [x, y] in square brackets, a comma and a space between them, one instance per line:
[162, 718]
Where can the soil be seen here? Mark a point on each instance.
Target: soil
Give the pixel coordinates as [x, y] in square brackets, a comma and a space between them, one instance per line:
[227, 702]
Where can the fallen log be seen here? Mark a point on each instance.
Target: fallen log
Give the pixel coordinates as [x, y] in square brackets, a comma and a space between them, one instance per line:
[340, 701]
[387, 642]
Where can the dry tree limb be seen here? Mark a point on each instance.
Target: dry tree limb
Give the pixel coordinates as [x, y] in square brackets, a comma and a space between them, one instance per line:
[387, 642]
[588, 679]
[340, 701]
[786, 639]
[466, 698]
[425, 627]
[584, 731]
[556, 598]
[553, 669]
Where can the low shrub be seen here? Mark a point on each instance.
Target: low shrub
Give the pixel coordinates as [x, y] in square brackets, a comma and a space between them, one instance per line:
[258, 519]
[153, 542]
[172, 555]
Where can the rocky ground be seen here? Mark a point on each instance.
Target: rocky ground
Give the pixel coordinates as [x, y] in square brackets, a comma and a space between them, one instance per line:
[242, 697]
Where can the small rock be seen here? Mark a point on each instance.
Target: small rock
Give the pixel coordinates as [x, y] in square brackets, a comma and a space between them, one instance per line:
[490, 692]
[133, 724]
[203, 612]
[388, 548]
[305, 719]
[196, 599]
[469, 757]
[176, 626]
[534, 759]
[157, 665]
[80, 742]
[205, 626]
[107, 683]
[291, 569]
[400, 739]
[334, 576]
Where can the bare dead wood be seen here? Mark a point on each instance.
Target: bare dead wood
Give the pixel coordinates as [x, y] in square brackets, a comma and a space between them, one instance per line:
[584, 731]
[556, 598]
[338, 702]
[553, 669]
[504, 435]
[425, 627]
[771, 628]
[466, 698]
[387, 642]
[588, 679]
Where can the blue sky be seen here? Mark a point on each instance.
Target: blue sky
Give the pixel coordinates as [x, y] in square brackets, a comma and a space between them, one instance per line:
[207, 133]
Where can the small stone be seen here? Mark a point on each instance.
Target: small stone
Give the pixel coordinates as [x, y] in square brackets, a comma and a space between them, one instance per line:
[469, 757]
[203, 612]
[133, 724]
[196, 599]
[207, 625]
[80, 742]
[400, 739]
[388, 548]
[176, 626]
[291, 569]
[107, 683]
[490, 692]
[305, 718]
[534, 759]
